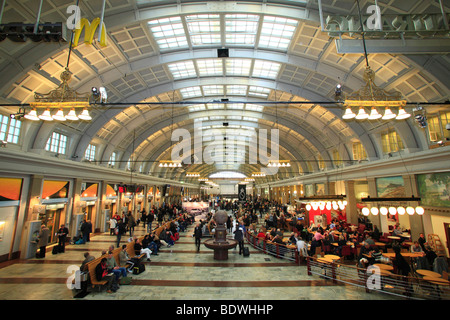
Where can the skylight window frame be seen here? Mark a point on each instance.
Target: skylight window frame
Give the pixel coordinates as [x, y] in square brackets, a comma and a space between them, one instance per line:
[169, 33]
[213, 90]
[266, 69]
[277, 32]
[241, 29]
[259, 91]
[204, 29]
[210, 67]
[182, 69]
[190, 92]
[236, 89]
[238, 67]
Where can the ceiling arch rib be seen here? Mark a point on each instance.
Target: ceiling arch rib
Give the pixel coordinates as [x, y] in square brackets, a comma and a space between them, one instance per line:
[152, 152]
[99, 123]
[206, 169]
[283, 123]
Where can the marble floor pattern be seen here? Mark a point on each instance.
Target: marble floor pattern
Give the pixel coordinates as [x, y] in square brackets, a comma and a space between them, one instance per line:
[177, 273]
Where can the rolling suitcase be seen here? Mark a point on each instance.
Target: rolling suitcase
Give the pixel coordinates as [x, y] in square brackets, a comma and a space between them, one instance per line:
[246, 252]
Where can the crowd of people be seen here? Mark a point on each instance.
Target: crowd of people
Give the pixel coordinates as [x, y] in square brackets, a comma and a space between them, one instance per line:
[279, 226]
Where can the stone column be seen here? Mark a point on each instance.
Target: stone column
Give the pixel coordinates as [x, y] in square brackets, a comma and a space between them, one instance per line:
[34, 196]
[351, 209]
[415, 221]
[376, 220]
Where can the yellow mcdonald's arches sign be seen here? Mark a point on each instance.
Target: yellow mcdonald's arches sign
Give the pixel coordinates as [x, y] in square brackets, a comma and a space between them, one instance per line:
[89, 32]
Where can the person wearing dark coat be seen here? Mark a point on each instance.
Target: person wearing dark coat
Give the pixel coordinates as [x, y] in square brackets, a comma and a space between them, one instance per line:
[198, 235]
[403, 268]
[62, 236]
[239, 237]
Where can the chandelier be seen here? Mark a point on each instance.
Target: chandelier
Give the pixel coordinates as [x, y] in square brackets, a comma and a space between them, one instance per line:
[170, 164]
[61, 98]
[279, 163]
[371, 97]
[392, 206]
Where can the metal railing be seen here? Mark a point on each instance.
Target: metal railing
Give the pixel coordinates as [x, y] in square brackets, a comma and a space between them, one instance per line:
[278, 250]
[375, 279]
[372, 279]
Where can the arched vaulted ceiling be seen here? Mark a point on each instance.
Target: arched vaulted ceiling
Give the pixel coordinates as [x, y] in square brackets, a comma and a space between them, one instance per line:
[160, 52]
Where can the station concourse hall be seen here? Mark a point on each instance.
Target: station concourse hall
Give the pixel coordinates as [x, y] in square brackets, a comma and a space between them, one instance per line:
[252, 152]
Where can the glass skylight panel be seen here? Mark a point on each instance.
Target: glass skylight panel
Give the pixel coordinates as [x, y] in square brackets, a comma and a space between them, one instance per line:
[259, 91]
[239, 106]
[210, 67]
[203, 23]
[241, 28]
[204, 29]
[243, 23]
[243, 39]
[237, 90]
[250, 119]
[212, 90]
[254, 107]
[183, 69]
[197, 107]
[168, 32]
[234, 117]
[215, 106]
[190, 92]
[266, 69]
[201, 119]
[238, 67]
[227, 174]
[277, 32]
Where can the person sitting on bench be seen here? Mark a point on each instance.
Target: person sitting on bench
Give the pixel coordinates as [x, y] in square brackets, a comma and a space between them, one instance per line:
[102, 274]
[113, 267]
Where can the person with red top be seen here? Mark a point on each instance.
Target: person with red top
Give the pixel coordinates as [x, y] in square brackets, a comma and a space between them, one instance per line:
[102, 273]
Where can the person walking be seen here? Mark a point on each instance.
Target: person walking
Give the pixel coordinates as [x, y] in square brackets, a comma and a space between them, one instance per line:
[120, 230]
[131, 223]
[43, 241]
[198, 235]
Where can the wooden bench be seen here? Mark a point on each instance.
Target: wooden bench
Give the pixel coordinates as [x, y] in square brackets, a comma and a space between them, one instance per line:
[132, 253]
[91, 268]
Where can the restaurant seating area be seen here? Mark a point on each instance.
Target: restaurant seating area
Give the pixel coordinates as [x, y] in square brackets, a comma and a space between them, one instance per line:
[340, 262]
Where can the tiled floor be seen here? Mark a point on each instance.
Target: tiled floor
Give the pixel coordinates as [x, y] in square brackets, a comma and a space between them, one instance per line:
[177, 273]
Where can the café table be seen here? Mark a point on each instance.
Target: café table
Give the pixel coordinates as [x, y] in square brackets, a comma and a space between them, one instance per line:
[394, 237]
[332, 257]
[428, 273]
[380, 244]
[435, 280]
[391, 255]
[386, 267]
[405, 235]
[325, 260]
